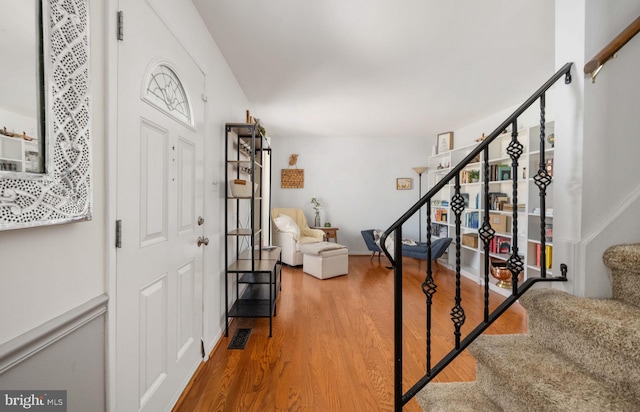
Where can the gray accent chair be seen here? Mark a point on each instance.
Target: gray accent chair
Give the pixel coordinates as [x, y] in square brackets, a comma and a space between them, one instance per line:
[419, 251]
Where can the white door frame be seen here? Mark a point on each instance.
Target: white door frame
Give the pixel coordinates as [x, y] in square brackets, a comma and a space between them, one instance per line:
[111, 167]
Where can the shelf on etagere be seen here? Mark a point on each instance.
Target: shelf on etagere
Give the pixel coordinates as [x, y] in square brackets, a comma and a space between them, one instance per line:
[255, 302]
[270, 253]
[249, 131]
[243, 162]
[258, 265]
[243, 232]
[244, 197]
[257, 278]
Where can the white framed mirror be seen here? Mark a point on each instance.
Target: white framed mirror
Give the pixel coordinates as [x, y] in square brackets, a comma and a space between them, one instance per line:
[45, 166]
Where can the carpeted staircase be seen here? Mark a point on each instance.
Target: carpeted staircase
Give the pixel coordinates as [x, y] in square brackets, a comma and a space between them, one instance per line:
[579, 355]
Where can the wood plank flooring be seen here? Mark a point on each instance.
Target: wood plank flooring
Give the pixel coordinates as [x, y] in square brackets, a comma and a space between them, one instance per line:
[332, 344]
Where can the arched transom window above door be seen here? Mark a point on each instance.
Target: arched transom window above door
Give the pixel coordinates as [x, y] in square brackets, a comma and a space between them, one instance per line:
[165, 91]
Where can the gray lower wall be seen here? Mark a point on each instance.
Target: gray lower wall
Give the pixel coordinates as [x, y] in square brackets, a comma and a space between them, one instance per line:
[67, 353]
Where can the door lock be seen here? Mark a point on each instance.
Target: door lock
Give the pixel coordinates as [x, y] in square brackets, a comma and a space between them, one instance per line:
[203, 241]
[200, 221]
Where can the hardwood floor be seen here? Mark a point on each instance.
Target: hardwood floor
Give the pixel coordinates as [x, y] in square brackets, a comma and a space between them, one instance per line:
[332, 344]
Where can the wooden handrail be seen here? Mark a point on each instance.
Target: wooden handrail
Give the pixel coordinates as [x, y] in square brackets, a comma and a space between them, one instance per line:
[594, 65]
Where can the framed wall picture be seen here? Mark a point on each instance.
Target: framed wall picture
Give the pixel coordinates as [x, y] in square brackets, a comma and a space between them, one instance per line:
[445, 142]
[403, 183]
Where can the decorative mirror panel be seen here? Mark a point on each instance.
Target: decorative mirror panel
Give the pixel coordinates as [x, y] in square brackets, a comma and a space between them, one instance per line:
[63, 193]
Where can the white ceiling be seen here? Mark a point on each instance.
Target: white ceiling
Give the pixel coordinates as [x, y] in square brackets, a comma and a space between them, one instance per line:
[381, 67]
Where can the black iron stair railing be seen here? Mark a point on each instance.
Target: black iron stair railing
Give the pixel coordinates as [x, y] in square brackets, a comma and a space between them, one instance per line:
[542, 180]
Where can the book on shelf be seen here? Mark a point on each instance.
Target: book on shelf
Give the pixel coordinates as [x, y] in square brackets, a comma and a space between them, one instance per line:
[548, 254]
[496, 199]
[439, 230]
[548, 232]
[440, 215]
[440, 203]
[465, 196]
[472, 219]
[500, 244]
[469, 176]
[508, 207]
[498, 173]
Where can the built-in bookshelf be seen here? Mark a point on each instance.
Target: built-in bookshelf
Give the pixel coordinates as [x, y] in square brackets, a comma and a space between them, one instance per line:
[500, 204]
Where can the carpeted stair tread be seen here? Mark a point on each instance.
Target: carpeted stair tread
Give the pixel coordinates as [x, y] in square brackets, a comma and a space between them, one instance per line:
[455, 397]
[600, 335]
[538, 379]
[624, 262]
[608, 322]
[623, 257]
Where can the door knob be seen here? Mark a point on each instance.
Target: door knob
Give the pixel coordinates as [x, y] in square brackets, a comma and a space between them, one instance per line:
[203, 241]
[200, 221]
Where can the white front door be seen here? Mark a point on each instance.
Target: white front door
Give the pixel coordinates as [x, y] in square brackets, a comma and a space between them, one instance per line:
[159, 200]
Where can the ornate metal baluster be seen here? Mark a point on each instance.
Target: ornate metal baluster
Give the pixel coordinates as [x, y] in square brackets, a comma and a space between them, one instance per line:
[514, 263]
[457, 313]
[542, 180]
[429, 287]
[486, 232]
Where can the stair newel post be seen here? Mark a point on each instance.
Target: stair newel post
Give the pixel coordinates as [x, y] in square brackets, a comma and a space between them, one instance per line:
[514, 263]
[397, 316]
[485, 232]
[457, 312]
[543, 191]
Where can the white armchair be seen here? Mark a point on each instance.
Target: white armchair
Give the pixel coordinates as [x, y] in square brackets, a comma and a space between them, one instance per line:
[290, 231]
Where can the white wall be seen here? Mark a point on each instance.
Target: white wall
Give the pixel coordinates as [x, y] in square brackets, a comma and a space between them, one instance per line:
[468, 134]
[47, 271]
[602, 128]
[355, 179]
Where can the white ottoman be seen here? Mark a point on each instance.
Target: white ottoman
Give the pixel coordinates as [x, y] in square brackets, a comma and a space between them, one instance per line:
[326, 264]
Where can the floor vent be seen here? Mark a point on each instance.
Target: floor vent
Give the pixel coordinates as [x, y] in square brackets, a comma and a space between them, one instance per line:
[239, 340]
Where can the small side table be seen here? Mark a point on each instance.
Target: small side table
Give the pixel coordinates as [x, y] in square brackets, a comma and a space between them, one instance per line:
[329, 232]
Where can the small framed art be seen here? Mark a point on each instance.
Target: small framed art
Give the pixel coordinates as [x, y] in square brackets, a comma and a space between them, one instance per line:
[403, 183]
[445, 142]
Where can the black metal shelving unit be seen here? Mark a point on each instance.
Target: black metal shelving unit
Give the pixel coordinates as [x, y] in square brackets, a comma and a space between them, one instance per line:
[255, 270]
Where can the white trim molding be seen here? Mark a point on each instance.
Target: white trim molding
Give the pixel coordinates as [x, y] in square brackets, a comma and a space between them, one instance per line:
[28, 344]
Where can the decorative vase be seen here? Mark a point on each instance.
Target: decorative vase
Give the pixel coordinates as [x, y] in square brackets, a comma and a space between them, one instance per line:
[500, 271]
[317, 222]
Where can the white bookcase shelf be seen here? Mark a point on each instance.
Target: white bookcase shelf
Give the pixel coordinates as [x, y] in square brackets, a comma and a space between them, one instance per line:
[501, 189]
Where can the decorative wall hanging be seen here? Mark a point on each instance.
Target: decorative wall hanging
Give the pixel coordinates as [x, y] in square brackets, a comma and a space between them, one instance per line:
[62, 194]
[292, 178]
